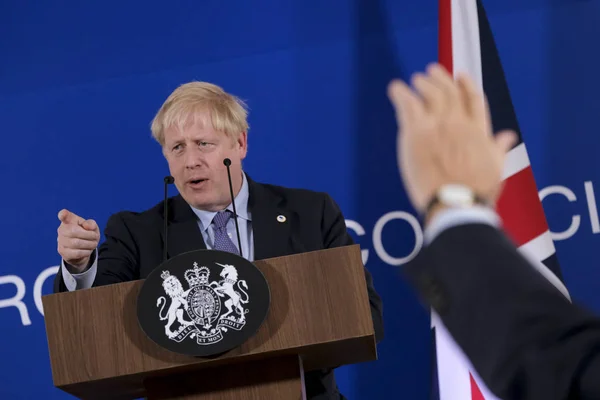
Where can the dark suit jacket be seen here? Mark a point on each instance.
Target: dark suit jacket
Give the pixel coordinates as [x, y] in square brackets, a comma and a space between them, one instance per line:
[526, 340]
[133, 245]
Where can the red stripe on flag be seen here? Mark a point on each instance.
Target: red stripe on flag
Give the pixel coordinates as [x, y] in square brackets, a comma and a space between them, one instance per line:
[475, 391]
[445, 34]
[520, 208]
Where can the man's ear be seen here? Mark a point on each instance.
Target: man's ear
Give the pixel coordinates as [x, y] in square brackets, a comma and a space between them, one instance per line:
[242, 143]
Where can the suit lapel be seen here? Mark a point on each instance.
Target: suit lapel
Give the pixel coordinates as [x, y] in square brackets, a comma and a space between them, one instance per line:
[183, 232]
[272, 233]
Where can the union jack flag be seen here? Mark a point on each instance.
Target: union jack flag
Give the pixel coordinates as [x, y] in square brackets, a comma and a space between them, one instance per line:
[466, 44]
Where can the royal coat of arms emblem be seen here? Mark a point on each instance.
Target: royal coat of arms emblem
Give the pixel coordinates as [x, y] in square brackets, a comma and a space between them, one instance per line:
[203, 302]
[207, 309]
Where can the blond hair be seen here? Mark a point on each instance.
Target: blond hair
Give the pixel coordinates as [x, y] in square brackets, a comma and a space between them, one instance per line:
[227, 113]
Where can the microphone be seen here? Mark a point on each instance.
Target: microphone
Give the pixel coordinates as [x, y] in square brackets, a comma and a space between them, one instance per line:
[168, 180]
[227, 163]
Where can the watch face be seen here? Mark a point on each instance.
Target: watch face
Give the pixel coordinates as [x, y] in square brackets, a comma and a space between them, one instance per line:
[456, 195]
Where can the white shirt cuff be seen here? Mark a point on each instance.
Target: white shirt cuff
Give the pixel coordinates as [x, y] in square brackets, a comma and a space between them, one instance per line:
[451, 217]
[85, 280]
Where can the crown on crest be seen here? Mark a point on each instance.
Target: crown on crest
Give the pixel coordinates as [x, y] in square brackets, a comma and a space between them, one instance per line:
[165, 275]
[197, 275]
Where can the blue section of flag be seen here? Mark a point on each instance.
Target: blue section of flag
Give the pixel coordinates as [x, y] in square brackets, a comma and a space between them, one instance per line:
[494, 81]
[498, 94]
[553, 265]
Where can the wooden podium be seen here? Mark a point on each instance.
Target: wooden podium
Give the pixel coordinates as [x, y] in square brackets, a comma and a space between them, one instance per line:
[319, 318]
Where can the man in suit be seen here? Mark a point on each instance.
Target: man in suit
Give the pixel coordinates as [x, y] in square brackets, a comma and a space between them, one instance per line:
[525, 339]
[198, 126]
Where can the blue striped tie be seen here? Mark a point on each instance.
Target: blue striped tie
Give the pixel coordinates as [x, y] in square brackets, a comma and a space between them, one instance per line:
[222, 240]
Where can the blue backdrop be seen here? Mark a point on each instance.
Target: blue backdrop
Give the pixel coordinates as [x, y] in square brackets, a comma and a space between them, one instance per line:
[80, 83]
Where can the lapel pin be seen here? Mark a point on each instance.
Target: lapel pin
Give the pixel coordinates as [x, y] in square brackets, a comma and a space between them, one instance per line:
[281, 218]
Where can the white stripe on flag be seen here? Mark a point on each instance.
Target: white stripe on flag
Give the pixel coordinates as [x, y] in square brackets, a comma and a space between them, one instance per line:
[516, 161]
[453, 366]
[466, 51]
[536, 251]
[540, 248]
[453, 376]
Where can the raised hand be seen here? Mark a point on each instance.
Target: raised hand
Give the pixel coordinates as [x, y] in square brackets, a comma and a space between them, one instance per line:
[445, 137]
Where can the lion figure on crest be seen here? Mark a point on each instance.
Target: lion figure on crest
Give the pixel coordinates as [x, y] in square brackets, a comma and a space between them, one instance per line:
[174, 289]
[226, 287]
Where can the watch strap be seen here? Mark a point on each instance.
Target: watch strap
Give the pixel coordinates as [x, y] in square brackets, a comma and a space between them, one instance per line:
[435, 200]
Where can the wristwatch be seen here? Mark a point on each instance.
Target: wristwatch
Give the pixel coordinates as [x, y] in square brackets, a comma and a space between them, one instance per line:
[455, 196]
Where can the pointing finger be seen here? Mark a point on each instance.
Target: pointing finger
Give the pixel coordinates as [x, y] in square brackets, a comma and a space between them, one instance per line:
[67, 217]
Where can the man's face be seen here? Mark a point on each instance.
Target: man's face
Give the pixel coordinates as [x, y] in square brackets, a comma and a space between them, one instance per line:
[195, 156]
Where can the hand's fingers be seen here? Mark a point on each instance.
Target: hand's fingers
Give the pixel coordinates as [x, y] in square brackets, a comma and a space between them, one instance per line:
[78, 232]
[475, 102]
[432, 95]
[505, 140]
[440, 77]
[409, 108]
[394, 92]
[77, 244]
[90, 225]
[67, 217]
